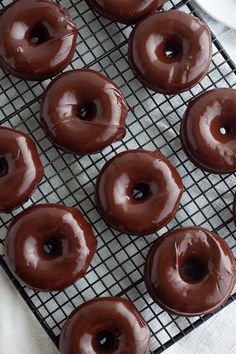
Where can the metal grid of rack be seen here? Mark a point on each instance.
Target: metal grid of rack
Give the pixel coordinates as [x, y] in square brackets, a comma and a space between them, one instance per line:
[153, 123]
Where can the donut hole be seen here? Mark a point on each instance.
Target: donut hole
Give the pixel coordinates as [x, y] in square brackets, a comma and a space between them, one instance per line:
[39, 34]
[173, 47]
[141, 191]
[223, 127]
[52, 247]
[106, 341]
[193, 270]
[3, 166]
[87, 111]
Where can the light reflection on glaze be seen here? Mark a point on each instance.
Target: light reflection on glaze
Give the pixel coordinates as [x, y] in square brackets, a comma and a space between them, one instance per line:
[121, 199]
[18, 30]
[62, 101]
[116, 315]
[30, 252]
[125, 11]
[202, 140]
[83, 250]
[23, 59]
[24, 172]
[37, 226]
[115, 185]
[163, 271]
[147, 51]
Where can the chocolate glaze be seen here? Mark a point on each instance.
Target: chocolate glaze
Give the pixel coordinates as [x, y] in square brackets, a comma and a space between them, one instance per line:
[63, 230]
[20, 168]
[170, 51]
[83, 111]
[125, 11]
[145, 171]
[208, 131]
[113, 321]
[37, 39]
[190, 271]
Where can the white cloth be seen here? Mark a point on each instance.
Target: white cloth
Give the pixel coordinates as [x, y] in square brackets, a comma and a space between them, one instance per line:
[20, 333]
[216, 336]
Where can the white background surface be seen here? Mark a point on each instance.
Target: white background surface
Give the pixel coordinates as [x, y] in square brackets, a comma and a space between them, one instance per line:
[219, 11]
[20, 333]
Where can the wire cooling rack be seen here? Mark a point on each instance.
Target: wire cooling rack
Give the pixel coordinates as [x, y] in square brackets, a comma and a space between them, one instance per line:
[153, 123]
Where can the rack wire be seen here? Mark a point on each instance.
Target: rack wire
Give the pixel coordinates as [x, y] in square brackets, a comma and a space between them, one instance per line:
[153, 123]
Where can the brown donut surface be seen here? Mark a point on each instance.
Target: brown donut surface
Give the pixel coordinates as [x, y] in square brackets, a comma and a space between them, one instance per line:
[208, 131]
[20, 168]
[48, 247]
[138, 191]
[190, 271]
[37, 39]
[82, 111]
[105, 325]
[125, 11]
[170, 51]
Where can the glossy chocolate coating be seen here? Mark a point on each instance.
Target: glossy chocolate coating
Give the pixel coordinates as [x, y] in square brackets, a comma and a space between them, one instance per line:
[190, 271]
[67, 234]
[117, 182]
[125, 11]
[115, 319]
[205, 143]
[37, 39]
[83, 111]
[20, 168]
[170, 51]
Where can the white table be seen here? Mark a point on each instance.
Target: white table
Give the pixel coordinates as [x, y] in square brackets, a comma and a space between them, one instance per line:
[20, 333]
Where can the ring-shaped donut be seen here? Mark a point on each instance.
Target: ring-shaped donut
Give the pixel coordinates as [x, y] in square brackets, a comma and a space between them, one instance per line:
[170, 51]
[82, 111]
[48, 247]
[105, 325]
[190, 271]
[37, 39]
[20, 168]
[208, 131]
[128, 11]
[138, 191]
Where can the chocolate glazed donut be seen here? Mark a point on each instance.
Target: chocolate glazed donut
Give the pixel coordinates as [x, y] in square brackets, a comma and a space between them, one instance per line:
[49, 247]
[208, 131]
[20, 168]
[125, 11]
[83, 111]
[105, 325]
[138, 192]
[190, 271]
[37, 39]
[170, 52]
